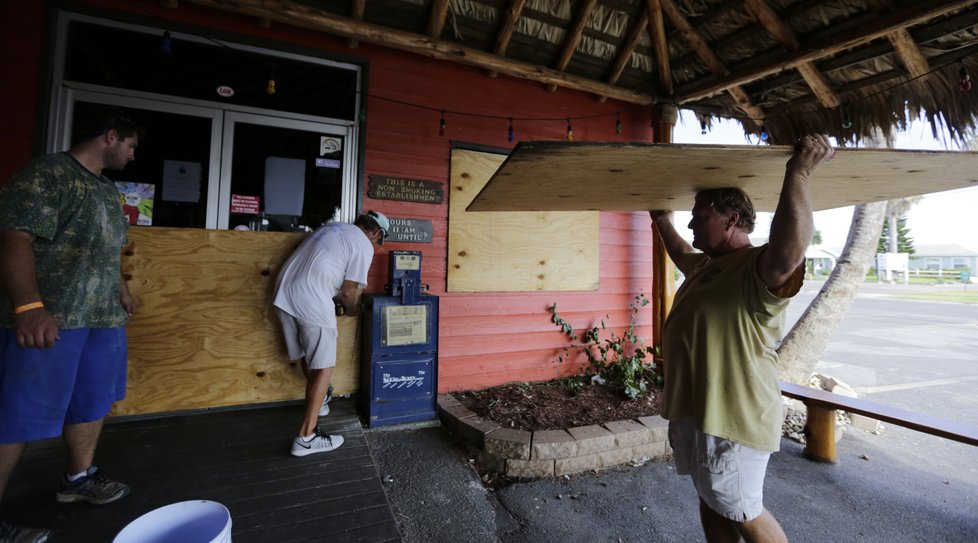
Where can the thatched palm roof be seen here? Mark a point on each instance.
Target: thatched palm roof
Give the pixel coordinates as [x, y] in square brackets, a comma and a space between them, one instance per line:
[786, 67]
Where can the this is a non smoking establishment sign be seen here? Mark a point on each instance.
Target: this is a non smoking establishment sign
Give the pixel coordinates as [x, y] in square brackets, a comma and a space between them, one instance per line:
[402, 189]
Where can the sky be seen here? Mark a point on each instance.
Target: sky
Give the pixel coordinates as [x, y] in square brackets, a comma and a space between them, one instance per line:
[938, 219]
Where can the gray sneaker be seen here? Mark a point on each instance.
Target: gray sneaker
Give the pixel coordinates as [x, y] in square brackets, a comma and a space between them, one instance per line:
[93, 488]
[11, 533]
[319, 443]
[324, 409]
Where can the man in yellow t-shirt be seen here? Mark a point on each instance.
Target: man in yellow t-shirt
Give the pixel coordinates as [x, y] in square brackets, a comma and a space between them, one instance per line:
[722, 397]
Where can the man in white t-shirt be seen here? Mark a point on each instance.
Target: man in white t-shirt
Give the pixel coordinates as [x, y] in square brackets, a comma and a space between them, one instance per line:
[322, 279]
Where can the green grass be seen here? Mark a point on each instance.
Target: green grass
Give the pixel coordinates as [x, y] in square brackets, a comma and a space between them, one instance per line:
[962, 297]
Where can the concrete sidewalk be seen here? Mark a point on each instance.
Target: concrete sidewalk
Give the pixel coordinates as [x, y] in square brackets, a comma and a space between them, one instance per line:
[887, 488]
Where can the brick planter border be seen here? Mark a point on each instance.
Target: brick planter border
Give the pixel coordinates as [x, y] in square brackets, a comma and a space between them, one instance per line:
[548, 453]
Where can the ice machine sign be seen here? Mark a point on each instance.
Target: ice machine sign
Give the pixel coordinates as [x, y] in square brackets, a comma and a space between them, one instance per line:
[405, 325]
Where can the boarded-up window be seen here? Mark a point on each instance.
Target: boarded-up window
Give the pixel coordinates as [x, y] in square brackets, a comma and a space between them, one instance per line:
[514, 251]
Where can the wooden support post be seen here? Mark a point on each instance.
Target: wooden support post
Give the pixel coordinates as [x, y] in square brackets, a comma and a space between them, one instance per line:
[820, 434]
[664, 271]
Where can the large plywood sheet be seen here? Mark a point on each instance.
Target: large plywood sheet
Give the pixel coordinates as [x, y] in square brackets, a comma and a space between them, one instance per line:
[567, 176]
[507, 252]
[205, 333]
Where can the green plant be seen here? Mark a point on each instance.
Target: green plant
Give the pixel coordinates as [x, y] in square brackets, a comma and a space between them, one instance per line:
[621, 360]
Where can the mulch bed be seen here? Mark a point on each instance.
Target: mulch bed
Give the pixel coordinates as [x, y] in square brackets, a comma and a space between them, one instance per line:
[553, 405]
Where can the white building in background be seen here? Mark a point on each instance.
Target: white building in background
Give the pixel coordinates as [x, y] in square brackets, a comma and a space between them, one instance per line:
[944, 257]
[819, 261]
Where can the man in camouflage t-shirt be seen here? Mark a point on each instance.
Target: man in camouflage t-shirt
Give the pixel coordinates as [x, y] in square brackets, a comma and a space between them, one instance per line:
[63, 351]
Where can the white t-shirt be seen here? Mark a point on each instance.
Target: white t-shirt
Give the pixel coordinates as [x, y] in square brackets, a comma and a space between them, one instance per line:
[316, 271]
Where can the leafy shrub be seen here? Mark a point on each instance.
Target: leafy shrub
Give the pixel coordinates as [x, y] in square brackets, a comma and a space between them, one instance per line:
[623, 361]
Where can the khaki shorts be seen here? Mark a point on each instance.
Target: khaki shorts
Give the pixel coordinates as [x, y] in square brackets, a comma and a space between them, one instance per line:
[728, 476]
[314, 343]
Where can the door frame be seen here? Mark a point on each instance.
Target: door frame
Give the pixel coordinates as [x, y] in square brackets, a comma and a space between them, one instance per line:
[347, 211]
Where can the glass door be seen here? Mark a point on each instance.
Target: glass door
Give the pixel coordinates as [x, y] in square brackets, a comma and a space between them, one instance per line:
[285, 174]
[173, 180]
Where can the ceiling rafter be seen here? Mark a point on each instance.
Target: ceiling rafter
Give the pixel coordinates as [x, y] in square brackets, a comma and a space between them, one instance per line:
[573, 37]
[513, 12]
[839, 38]
[908, 52]
[626, 50]
[903, 43]
[713, 62]
[657, 34]
[436, 22]
[921, 35]
[772, 23]
[357, 8]
[302, 16]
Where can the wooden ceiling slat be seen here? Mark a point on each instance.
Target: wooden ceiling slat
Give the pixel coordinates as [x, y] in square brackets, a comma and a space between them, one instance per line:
[819, 85]
[513, 11]
[626, 50]
[712, 61]
[657, 33]
[302, 16]
[773, 24]
[436, 23]
[357, 8]
[840, 39]
[573, 37]
[909, 53]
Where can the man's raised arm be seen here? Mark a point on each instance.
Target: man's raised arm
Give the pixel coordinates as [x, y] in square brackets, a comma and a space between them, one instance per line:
[792, 226]
[676, 246]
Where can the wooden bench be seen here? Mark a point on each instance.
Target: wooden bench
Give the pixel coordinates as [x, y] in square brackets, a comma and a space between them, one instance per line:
[820, 427]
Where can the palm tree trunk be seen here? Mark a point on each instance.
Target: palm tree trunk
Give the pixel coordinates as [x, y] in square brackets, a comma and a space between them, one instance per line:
[801, 348]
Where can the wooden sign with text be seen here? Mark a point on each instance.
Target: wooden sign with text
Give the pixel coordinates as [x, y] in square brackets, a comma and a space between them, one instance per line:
[405, 190]
[410, 231]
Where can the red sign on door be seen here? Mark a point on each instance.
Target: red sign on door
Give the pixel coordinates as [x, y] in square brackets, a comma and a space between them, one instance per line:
[244, 204]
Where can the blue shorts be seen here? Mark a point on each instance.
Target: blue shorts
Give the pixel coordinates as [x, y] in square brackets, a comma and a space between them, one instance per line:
[73, 382]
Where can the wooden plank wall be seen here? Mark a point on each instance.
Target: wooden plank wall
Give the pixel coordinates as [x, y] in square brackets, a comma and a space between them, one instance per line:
[499, 337]
[205, 333]
[21, 54]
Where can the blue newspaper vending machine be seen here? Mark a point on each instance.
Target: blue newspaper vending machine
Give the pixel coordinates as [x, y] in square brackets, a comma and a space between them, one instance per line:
[399, 347]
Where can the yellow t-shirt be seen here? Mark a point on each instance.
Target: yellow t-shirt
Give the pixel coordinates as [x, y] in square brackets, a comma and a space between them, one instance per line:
[719, 347]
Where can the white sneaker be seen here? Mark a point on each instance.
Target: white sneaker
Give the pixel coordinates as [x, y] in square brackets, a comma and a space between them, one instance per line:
[324, 409]
[319, 443]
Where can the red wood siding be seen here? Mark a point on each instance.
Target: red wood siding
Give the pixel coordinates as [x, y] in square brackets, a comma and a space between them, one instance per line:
[485, 339]
[21, 46]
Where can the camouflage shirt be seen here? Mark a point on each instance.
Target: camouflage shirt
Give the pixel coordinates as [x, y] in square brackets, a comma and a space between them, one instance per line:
[79, 231]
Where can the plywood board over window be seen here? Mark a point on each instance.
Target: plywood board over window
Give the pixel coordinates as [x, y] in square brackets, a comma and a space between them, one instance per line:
[514, 252]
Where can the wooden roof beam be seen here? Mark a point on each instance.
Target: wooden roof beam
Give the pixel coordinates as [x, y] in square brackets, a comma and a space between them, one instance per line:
[657, 33]
[903, 43]
[573, 37]
[357, 8]
[513, 11]
[303, 16]
[626, 50]
[436, 22]
[713, 62]
[826, 45]
[908, 52]
[782, 34]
